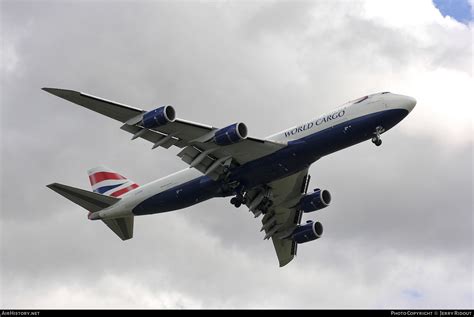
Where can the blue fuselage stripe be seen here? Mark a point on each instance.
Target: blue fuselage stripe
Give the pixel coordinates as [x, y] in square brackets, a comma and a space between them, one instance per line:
[298, 155]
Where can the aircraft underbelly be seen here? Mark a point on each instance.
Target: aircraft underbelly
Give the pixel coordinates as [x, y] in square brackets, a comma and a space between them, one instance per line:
[182, 196]
[298, 155]
[351, 132]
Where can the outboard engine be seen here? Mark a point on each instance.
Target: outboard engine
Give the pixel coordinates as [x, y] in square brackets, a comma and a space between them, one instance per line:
[308, 232]
[231, 134]
[158, 117]
[317, 200]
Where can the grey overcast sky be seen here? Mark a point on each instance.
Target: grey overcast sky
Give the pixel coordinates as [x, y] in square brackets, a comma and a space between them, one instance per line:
[399, 230]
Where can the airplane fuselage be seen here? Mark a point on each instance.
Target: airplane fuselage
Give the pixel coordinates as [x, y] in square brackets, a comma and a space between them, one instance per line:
[345, 126]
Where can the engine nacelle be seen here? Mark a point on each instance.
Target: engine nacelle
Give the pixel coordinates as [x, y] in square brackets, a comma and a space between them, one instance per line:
[315, 201]
[158, 117]
[308, 232]
[231, 134]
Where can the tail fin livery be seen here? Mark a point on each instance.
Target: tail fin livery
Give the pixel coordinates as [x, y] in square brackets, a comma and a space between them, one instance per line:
[107, 182]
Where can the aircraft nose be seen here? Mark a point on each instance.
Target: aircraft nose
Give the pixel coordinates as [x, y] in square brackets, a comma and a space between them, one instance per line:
[408, 103]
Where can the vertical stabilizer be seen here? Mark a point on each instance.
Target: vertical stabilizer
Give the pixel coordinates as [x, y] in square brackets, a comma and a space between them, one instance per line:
[107, 182]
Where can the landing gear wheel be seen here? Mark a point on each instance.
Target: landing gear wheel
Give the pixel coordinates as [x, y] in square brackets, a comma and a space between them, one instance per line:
[237, 201]
[376, 139]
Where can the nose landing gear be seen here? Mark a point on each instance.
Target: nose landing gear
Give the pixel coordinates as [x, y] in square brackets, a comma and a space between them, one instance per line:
[376, 139]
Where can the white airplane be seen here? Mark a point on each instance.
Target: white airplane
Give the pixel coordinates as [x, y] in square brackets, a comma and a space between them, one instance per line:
[269, 176]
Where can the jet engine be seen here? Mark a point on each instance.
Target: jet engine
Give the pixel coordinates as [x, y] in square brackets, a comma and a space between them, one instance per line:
[158, 117]
[231, 134]
[317, 200]
[308, 232]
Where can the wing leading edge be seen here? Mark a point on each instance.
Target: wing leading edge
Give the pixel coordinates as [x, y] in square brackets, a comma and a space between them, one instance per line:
[197, 151]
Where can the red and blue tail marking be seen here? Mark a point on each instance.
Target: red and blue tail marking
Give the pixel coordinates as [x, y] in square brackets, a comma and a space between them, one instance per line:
[107, 182]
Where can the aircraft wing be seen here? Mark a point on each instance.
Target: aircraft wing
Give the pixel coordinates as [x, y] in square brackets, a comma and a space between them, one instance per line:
[193, 138]
[282, 217]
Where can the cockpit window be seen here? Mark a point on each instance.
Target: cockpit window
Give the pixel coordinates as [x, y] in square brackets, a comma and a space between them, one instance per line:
[360, 100]
[385, 92]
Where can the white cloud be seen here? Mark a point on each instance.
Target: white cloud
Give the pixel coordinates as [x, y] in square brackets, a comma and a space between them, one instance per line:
[416, 52]
[440, 76]
[8, 58]
[403, 14]
[445, 99]
[339, 276]
[109, 291]
[406, 47]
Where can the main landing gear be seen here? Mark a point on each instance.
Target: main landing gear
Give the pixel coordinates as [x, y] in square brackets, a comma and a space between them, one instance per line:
[376, 139]
[237, 201]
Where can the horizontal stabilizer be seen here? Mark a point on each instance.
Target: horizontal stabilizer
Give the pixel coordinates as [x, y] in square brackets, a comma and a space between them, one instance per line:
[86, 199]
[123, 227]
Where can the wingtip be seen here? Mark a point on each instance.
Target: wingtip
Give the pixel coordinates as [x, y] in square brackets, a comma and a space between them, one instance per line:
[284, 262]
[58, 91]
